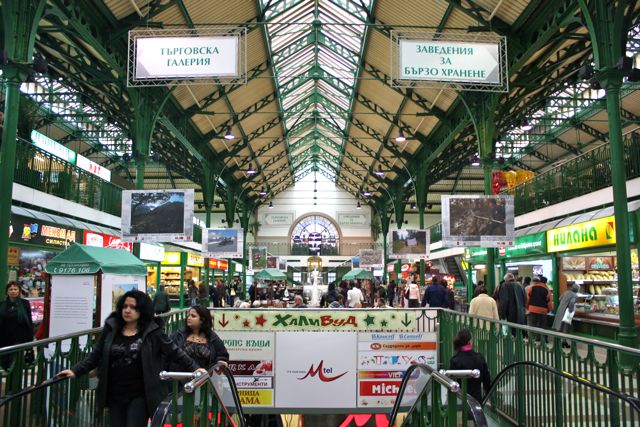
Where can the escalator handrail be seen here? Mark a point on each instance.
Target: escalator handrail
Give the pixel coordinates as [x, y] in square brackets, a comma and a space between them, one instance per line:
[635, 403]
[163, 408]
[35, 387]
[474, 406]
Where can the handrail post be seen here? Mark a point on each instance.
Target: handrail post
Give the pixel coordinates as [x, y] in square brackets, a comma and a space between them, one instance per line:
[558, 384]
[614, 404]
[520, 387]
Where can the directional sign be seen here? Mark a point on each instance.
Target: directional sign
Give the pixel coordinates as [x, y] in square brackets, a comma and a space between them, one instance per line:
[446, 61]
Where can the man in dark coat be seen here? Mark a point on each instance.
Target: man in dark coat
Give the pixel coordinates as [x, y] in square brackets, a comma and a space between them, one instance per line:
[511, 301]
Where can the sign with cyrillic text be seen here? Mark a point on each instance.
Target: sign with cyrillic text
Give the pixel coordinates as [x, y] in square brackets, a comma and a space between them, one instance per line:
[186, 57]
[446, 61]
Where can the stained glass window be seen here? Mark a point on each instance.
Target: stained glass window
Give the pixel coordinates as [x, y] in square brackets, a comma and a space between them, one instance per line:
[315, 235]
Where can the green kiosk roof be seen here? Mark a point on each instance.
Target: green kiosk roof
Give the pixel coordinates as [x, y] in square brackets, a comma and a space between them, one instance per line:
[358, 273]
[271, 274]
[82, 259]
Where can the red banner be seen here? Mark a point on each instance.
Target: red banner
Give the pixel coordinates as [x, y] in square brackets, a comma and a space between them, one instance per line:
[105, 241]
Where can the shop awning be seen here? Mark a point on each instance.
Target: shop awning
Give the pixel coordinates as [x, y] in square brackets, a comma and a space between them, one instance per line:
[56, 219]
[81, 259]
[271, 274]
[358, 273]
[574, 219]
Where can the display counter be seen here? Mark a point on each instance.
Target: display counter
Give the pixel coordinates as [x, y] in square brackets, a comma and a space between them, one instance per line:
[602, 325]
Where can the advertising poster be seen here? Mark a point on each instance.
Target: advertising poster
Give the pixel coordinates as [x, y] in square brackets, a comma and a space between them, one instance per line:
[113, 287]
[251, 359]
[409, 244]
[272, 262]
[106, 241]
[258, 258]
[371, 258]
[72, 303]
[222, 243]
[282, 264]
[157, 215]
[315, 375]
[355, 262]
[383, 359]
[477, 221]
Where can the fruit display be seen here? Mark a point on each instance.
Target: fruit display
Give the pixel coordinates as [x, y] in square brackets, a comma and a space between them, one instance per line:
[593, 276]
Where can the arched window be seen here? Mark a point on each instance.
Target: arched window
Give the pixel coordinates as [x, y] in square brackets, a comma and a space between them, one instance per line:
[315, 235]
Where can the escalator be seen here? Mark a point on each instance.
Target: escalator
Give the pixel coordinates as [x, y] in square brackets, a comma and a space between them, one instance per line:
[206, 400]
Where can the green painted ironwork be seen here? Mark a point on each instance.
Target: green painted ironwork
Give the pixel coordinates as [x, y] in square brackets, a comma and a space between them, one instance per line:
[45, 172]
[69, 403]
[526, 396]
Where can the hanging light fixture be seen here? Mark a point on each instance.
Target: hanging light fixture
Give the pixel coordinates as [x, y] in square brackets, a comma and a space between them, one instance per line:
[379, 171]
[366, 193]
[401, 137]
[229, 135]
[251, 170]
[270, 205]
[413, 205]
[358, 205]
[263, 192]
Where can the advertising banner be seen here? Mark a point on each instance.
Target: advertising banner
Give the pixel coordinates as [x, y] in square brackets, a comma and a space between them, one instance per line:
[282, 264]
[157, 215]
[222, 242]
[258, 258]
[150, 252]
[315, 375]
[371, 258]
[251, 359]
[91, 238]
[383, 359]
[72, 304]
[355, 262]
[599, 232]
[408, 244]
[477, 221]
[272, 262]
[23, 229]
[113, 287]
[315, 320]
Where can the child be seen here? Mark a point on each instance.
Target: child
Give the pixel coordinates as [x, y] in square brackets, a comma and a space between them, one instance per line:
[466, 358]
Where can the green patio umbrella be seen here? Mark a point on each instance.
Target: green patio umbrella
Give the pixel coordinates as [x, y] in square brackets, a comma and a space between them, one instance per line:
[271, 274]
[358, 273]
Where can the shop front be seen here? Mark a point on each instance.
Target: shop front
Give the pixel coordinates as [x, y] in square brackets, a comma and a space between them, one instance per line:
[177, 270]
[586, 256]
[152, 255]
[32, 244]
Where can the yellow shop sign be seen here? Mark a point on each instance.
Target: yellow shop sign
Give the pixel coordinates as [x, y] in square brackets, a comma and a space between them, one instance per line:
[171, 258]
[599, 232]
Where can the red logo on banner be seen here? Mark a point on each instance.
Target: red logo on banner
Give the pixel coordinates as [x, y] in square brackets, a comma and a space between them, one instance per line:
[320, 371]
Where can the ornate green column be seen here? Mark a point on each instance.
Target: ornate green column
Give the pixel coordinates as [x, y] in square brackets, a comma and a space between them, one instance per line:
[385, 220]
[20, 20]
[482, 110]
[244, 223]
[608, 29]
[420, 186]
[399, 200]
[208, 190]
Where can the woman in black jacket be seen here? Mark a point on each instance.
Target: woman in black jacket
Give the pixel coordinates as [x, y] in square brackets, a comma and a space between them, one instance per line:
[198, 340]
[129, 358]
[466, 358]
[16, 326]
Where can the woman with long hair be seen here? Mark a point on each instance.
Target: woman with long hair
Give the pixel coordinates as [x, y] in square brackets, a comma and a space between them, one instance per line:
[16, 326]
[198, 340]
[129, 356]
[466, 358]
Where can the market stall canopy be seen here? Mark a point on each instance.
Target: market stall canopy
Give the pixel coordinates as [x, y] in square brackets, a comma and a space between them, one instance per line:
[82, 259]
[358, 273]
[271, 274]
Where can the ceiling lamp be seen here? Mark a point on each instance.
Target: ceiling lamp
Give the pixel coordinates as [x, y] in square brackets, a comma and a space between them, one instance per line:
[413, 205]
[229, 135]
[263, 192]
[366, 193]
[270, 205]
[379, 171]
[401, 137]
[526, 126]
[358, 206]
[251, 170]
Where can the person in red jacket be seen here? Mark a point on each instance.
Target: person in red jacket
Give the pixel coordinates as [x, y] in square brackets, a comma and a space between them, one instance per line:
[539, 303]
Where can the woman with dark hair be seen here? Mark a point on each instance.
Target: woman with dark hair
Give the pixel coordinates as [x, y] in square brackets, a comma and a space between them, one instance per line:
[466, 358]
[129, 356]
[16, 326]
[198, 340]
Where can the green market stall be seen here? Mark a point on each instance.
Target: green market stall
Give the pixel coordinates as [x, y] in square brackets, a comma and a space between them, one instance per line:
[87, 279]
[358, 273]
[271, 274]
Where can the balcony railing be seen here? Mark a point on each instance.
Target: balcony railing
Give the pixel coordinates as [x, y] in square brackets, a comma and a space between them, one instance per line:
[42, 171]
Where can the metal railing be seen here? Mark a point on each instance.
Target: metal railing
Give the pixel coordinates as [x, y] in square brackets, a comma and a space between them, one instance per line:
[420, 403]
[67, 403]
[503, 343]
[582, 175]
[45, 172]
[532, 394]
[203, 399]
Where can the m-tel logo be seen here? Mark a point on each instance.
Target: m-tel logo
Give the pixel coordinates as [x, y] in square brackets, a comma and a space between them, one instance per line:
[324, 374]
